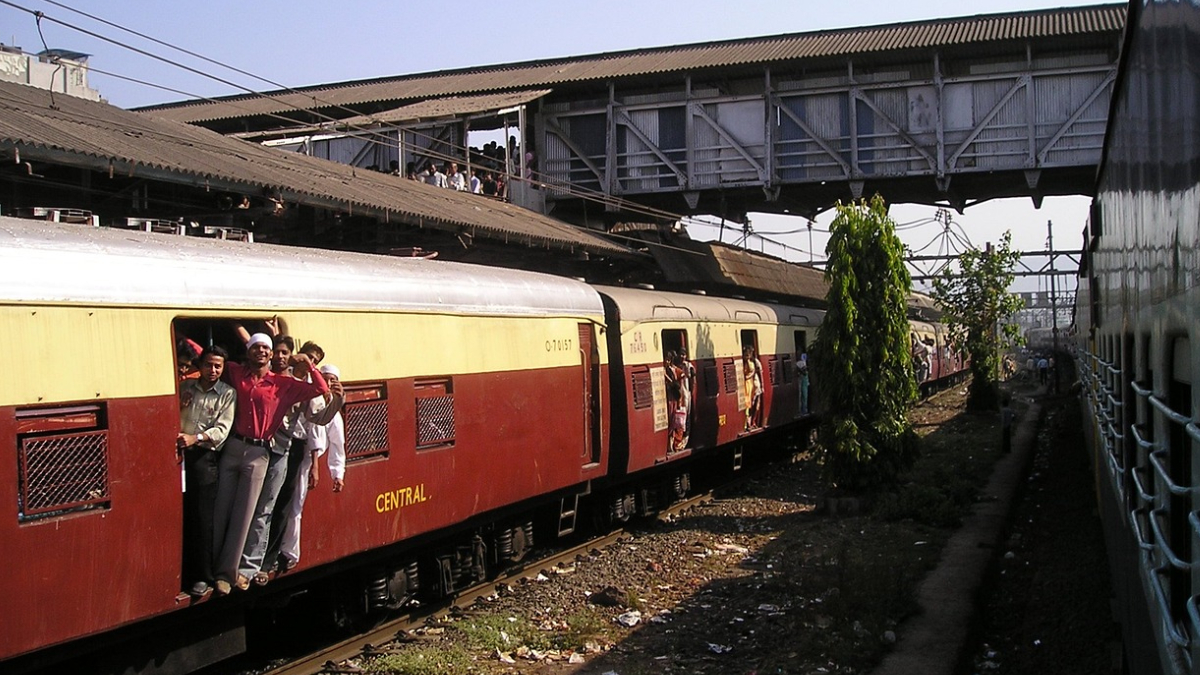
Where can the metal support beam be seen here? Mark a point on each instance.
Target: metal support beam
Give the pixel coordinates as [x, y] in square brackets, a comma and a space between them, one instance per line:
[698, 111]
[553, 128]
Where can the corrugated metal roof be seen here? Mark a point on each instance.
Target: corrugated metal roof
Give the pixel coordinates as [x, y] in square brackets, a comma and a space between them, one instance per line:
[411, 112]
[940, 33]
[445, 107]
[706, 264]
[69, 130]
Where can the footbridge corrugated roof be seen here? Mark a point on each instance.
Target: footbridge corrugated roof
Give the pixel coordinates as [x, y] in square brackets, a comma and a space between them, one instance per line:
[39, 126]
[931, 34]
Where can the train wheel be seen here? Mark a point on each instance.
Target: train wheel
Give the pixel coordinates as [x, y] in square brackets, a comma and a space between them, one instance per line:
[521, 543]
[349, 606]
[515, 542]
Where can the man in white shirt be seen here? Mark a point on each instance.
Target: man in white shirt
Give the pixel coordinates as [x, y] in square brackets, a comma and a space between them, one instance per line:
[329, 438]
[455, 178]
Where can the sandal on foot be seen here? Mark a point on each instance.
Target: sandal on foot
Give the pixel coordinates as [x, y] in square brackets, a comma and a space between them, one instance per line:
[242, 582]
[222, 587]
[261, 578]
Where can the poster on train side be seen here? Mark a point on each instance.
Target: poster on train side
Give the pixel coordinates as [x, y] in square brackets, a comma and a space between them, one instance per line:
[658, 389]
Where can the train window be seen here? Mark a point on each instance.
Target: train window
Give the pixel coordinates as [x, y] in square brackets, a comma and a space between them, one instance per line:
[435, 413]
[729, 375]
[801, 341]
[366, 418]
[62, 460]
[643, 389]
[773, 375]
[712, 386]
[787, 369]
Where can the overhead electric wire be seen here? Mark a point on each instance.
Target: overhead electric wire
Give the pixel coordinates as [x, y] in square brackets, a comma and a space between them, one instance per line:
[569, 188]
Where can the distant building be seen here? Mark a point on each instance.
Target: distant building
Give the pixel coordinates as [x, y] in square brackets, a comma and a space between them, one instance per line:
[59, 70]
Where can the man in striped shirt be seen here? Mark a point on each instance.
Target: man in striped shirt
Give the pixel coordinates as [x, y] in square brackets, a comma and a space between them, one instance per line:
[205, 418]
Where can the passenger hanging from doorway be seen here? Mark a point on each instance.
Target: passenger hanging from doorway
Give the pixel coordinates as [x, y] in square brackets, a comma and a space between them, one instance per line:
[679, 399]
[187, 354]
[688, 389]
[294, 433]
[322, 439]
[242, 523]
[802, 373]
[754, 388]
[675, 422]
[205, 418]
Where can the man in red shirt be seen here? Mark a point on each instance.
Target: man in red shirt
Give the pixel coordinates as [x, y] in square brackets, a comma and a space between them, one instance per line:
[263, 397]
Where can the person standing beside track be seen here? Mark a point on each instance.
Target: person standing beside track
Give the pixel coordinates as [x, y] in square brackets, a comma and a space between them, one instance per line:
[205, 418]
[262, 399]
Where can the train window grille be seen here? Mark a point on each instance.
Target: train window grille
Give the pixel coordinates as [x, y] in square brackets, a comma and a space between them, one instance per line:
[435, 413]
[712, 385]
[729, 373]
[643, 390]
[787, 370]
[62, 458]
[773, 375]
[366, 420]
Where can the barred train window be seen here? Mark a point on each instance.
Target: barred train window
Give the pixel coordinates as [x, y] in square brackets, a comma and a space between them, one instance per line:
[435, 413]
[643, 391]
[711, 384]
[366, 419]
[62, 461]
[729, 371]
[787, 369]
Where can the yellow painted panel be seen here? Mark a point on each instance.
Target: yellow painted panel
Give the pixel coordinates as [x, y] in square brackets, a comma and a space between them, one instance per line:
[58, 354]
[377, 346]
[642, 341]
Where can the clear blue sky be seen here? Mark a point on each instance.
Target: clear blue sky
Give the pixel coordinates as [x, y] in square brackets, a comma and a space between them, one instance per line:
[302, 42]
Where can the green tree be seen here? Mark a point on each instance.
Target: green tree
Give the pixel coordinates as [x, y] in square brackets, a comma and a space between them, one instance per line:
[976, 307]
[861, 358]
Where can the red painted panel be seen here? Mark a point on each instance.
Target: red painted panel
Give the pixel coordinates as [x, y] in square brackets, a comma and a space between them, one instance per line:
[517, 434]
[648, 448]
[85, 572]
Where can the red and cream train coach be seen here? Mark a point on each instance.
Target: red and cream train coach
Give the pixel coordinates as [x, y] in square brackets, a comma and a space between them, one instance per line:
[472, 393]
[691, 373]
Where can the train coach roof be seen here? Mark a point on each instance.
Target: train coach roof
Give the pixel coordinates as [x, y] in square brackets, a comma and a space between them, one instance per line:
[76, 264]
[637, 305]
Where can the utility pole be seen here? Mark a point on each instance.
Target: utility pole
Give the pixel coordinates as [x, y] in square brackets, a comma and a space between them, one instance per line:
[1053, 285]
[810, 246]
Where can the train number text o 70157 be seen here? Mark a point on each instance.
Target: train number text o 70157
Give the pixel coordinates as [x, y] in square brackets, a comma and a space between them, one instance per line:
[559, 345]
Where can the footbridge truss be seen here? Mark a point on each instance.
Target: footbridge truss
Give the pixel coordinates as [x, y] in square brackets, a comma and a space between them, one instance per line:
[950, 128]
